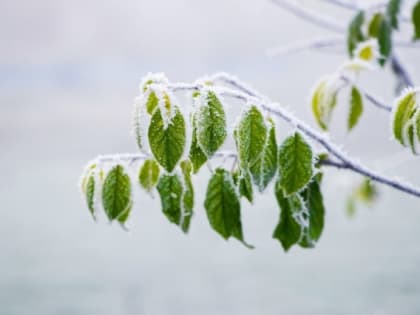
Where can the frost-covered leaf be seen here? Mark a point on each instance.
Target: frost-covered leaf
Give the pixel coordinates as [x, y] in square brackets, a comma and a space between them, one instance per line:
[356, 108]
[354, 32]
[170, 191]
[415, 17]
[196, 154]
[137, 124]
[116, 193]
[288, 231]
[295, 163]
[149, 175]
[167, 142]
[125, 215]
[366, 51]
[188, 196]
[211, 124]
[380, 28]
[392, 11]
[223, 206]
[313, 199]
[323, 101]
[251, 134]
[90, 194]
[242, 179]
[375, 25]
[416, 126]
[152, 102]
[412, 138]
[384, 41]
[403, 110]
[264, 169]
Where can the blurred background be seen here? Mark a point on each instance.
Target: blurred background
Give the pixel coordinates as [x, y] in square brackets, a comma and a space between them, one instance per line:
[69, 72]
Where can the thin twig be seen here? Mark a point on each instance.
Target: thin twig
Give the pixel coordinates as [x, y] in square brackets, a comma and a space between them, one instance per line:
[322, 44]
[310, 16]
[317, 43]
[344, 4]
[130, 158]
[373, 99]
[401, 72]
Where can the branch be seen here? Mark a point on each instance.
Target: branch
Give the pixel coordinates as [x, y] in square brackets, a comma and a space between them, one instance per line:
[309, 16]
[344, 4]
[401, 72]
[322, 43]
[345, 161]
[317, 43]
[394, 183]
[131, 158]
[246, 94]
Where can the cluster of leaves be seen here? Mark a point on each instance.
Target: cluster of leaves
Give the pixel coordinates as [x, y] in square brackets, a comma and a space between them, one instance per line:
[379, 26]
[369, 41]
[179, 144]
[324, 100]
[405, 119]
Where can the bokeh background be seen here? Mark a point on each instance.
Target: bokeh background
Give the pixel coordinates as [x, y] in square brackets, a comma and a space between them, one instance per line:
[69, 72]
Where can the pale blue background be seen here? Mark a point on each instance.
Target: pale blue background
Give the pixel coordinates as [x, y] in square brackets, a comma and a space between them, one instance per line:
[69, 72]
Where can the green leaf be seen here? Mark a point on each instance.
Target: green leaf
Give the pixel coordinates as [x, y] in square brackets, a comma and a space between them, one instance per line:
[384, 41]
[116, 193]
[367, 191]
[188, 195]
[152, 102]
[90, 194]
[354, 32]
[324, 99]
[375, 24]
[415, 17]
[223, 207]
[170, 191]
[416, 126]
[288, 231]
[211, 124]
[167, 142]
[264, 169]
[196, 154]
[243, 180]
[356, 108]
[295, 163]
[312, 196]
[403, 110]
[125, 215]
[392, 11]
[411, 138]
[351, 207]
[137, 126]
[149, 175]
[251, 136]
